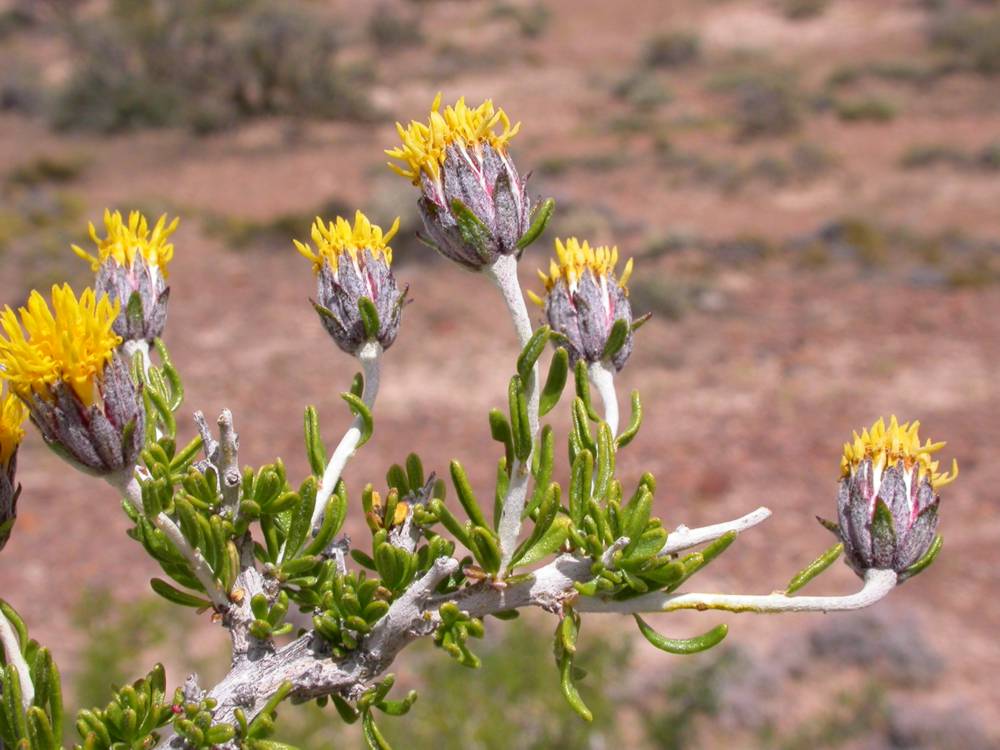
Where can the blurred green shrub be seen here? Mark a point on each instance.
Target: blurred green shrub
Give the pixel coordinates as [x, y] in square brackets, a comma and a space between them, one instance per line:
[869, 109]
[531, 20]
[765, 103]
[671, 49]
[971, 37]
[799, 10]
[48, 168]
[206, 65]
[391, 30]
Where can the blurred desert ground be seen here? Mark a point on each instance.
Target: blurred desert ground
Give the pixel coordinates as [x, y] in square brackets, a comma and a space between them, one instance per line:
[810, 190]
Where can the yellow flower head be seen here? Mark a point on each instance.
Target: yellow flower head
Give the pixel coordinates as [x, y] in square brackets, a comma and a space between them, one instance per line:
[71, 342]
[574, 257]
[886, 446]
[12, 416]
[338, 237]
[125, 241]
[424, 144]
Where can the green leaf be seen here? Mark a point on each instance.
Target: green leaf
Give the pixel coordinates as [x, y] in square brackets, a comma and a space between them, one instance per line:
[369, 317]
[605, 461]
[634, 424]
[542, 215]
[474, 232]
[580, 486]
[920, 565]
[814, 568]
[546, 515]
[373, 737]
[415, 472]
[177, 596]
[315, 450]
[500, 431]
[682, 645]
[531, 352]
[554, 538]
[520, 426]
[486, 549]
[566, 634]
[360, 410]
[555, 382]
[616, 339]
[466, 496]
[398, 708]
[583, 389]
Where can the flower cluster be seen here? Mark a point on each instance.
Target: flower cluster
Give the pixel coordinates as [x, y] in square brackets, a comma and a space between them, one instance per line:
[131, 267]
[887, 502]
[353, 270]
[584, 299]
[61, 362]
[473, 204]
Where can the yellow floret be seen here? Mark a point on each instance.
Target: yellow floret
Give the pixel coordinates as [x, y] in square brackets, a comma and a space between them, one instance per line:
[12, 416]
[574, 257]
[886, 446]
[71, 342]
[338, 237]
[424, 144]
[125, 241]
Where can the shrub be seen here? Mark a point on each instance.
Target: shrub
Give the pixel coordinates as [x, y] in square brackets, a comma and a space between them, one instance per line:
[201, 65]
[671, 49]
[971, 37]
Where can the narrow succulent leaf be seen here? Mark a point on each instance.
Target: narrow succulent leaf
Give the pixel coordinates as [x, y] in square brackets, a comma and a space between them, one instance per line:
[582, 379]
[473, 231]
[373, 737]
[415, 472]
[466, 496]
[605, 461]
[369, 318]
[532, 351]
[501, 432]
[922, 564]
[177, 596]
[315, 450]
[682, 645]
[628, 435]
[542, 215]
[360, 410]
[616, 338]
[553, 540]
[814, 568]
[554, 382]
[580, 486]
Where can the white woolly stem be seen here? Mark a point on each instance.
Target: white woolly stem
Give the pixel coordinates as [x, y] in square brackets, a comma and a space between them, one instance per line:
[683, 538]
[14, 657]
[128, 485]
[503, 273]
[370, 356]
[602, 377]
[877, 585]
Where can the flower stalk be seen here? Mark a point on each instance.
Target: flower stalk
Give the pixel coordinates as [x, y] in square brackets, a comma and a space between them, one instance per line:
[370, 357]
[503, 273]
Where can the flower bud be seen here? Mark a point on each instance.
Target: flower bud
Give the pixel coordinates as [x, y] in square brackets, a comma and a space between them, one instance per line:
[357, 296]
[473, 204]
[12, 416]
[62, 365]
[887, 504]
[131, 266]
[584, 300]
